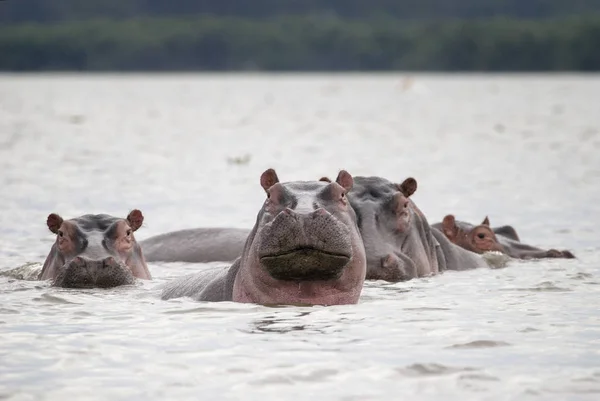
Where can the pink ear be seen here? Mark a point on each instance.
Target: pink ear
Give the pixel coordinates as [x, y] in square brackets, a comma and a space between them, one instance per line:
[449, 226]
[345, 180]
[268, 179]
[135, 218]
[324, 179]
[54, 222]
[486, 221]
[408, 187]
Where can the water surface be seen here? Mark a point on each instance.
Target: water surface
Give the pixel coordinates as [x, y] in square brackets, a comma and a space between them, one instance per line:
[188, 150]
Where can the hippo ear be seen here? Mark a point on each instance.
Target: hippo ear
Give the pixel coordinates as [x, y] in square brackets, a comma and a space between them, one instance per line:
[408, 187]
[324, 179]
[268, 179]
[135, 218]
[485, 222]
[449, 227]
[54, 222]
[345, 180]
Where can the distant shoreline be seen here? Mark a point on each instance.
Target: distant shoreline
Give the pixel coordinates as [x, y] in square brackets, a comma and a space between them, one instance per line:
[303, 44]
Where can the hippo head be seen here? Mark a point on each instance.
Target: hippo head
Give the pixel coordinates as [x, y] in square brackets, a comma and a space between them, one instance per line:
[95, 251]
[478, 239]
[387, 220]
[305, 247]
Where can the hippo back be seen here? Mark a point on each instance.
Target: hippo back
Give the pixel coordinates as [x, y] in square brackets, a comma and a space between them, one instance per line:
[212, 285]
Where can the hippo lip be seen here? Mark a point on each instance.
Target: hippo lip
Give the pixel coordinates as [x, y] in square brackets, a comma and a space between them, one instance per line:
[305, 264]
[304, 249]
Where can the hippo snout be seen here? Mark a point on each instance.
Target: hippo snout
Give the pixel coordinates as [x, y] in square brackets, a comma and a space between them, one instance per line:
[82, 272]
[305, 246]
[395, 269]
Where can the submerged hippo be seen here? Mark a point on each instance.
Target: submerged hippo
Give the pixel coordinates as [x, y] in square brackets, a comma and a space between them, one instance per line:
[305, 248]
[95, 251]
[205, 244]
[196, 245]
[484, 238]
[399, 242]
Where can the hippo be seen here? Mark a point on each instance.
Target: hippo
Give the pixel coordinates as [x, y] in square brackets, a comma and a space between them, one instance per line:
[95, 251]
[304, 249]
[200, 245]
[399, 242]
[484, 238]
[196, 245]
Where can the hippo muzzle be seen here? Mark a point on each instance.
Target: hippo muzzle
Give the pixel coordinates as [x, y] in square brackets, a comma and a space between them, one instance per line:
[83, 272]
[311, 246]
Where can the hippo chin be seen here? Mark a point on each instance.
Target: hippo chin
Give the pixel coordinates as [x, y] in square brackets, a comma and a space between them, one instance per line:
[95, 251]
[305, 248]
[399, 242]
[483, 238]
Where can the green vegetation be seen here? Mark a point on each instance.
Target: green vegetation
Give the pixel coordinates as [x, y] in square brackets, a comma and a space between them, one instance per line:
[303, 43]
[17, 11]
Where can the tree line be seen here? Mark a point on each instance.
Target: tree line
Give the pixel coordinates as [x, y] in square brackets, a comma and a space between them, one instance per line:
[16, 11]
[302, 43]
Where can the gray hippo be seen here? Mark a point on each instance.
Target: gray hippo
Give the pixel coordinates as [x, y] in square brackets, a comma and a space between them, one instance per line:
[483, 238]
[305, 248]
[95, 250]
[399, 242]
[196, 245]
[202, 245]
[400, 245]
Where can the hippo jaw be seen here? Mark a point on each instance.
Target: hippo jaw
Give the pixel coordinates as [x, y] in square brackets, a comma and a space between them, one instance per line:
[305, 263]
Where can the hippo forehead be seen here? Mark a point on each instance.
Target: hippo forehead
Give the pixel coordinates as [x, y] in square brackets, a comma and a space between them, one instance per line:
[299, 189]
[464, 225]
[372, 188]
[95, 226]
[91, 231]
[94, 222]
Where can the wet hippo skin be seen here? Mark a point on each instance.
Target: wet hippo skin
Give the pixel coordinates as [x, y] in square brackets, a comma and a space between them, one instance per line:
[95, 250]
[483, 238]
[305, 248]
[399, 242]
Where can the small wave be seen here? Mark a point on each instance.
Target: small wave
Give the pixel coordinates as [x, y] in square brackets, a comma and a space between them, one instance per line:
[481, 344]
[29, 271]
[479, 377]
[496, 260]
[431, 369]
[580, 276]
[53, 299]
[546, 286]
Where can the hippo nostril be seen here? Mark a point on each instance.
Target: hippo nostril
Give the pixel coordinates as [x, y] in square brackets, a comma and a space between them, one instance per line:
[388, 261]
[319, 212]
[109, 262]
[78, 261]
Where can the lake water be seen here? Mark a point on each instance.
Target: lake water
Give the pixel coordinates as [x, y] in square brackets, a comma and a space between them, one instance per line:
[188, 150]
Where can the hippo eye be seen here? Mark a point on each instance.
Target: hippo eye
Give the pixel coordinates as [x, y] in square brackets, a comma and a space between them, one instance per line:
[61, 234]
[129, 232]
[481, 235]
